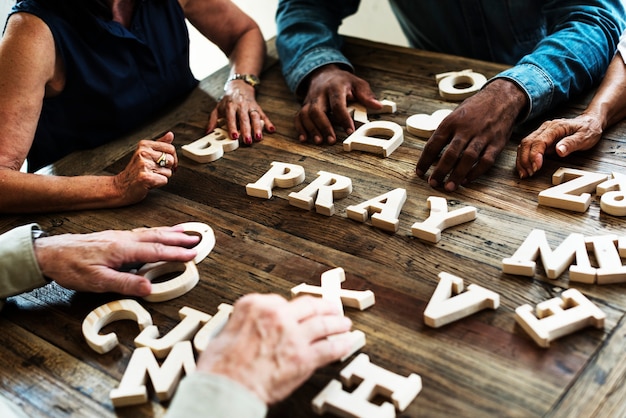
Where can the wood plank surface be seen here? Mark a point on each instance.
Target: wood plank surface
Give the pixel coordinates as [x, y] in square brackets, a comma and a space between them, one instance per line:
[484, 365]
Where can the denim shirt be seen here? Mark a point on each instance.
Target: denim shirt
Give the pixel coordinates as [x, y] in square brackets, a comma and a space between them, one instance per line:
[557, 49]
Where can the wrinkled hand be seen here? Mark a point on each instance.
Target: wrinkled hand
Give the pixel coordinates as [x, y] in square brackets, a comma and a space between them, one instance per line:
[242, 113]
[143, 172]
[563, 135]
[272, 346]
[90, 262]
[330, 90]
[475, 133]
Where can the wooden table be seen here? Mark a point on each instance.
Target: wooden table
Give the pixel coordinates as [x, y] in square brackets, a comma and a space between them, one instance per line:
[484, 365]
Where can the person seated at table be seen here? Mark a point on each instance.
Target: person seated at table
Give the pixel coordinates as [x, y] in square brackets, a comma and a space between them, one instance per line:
[268, 348]
[565, 136]
[77, 74]
[557, 49]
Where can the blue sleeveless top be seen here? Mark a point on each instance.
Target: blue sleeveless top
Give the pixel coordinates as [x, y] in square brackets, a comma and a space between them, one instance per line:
[115, 78]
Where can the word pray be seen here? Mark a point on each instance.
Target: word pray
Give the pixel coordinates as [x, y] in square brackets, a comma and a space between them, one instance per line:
[384, 209]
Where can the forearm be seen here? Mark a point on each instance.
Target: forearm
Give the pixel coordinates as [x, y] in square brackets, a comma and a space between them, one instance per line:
[307, 36]
[575, 54]
[248, 54]
[609, 102]
[29, 193]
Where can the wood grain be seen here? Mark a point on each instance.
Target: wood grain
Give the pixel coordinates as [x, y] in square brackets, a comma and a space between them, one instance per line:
[484, 365]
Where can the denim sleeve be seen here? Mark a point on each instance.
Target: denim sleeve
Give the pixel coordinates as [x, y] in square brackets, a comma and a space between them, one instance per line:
[307, 36]
[621, 48]
[581, 41]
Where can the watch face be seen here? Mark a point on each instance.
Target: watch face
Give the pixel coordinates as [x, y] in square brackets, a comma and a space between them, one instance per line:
[252, 80]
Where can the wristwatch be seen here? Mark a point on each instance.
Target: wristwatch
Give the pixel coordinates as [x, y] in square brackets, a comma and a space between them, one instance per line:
[247, 78]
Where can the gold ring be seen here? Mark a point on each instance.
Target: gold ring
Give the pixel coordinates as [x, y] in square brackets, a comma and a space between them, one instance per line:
[253, 110]
[162, 161]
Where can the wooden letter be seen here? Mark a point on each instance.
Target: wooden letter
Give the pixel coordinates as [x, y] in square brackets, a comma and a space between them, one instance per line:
[110, 312]
[559, 316]
[613, 194]
[523, 263]
[574, 193]
[385, 209]
[212, 327]
[326, 187]
[175, 287]
[210, 147]
[282, 175]
[423, 125]
[358, 112]
[440, 219]
[132, 389]
[372, 380]
[191, 322]
[444, 308]
[207, 239]
[610, 268]
[364, 138]
[448, 84]
[360, 299]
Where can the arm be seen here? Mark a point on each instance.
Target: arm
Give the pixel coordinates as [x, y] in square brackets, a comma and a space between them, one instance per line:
[88, 262]
[240, 38]
[575, 53]
[31, 71]
[565, 136]
[268, 348]
[309, 47]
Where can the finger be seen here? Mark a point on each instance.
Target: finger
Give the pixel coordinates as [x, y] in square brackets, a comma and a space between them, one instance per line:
[328, 350]
[124, 283]
[167, 236]
[322, 126]
[302, 134]
[304, 307]
[213, 118]
[432, 149]
[447, 161]
[322, 326]
[267, 123]
[231, 121]
[485, 162]
[470, 160]
[150, 252]
[308, 126]
[340, 114]
[167, 138]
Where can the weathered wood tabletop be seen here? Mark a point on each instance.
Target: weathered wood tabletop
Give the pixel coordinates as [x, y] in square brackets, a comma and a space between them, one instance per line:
[483, 365]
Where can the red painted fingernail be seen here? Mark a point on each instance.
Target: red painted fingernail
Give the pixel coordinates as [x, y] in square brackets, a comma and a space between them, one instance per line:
[258, 136]
[235, 135]
[271, 129]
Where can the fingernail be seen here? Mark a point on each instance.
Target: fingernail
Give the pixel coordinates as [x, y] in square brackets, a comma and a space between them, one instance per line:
[534, 167]
[247, 140]
[521, 174]
[235, 135]
[562, 148]
[450, 186]
[271, 129]
[258, 136]
[433, 183]
[419, 173]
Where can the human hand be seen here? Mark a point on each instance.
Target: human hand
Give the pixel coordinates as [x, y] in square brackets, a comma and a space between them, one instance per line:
[563, 135]
[90, 262]
[242, 113]
[272, 346]
[475, 133]
[330, 90]
[144, 172]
